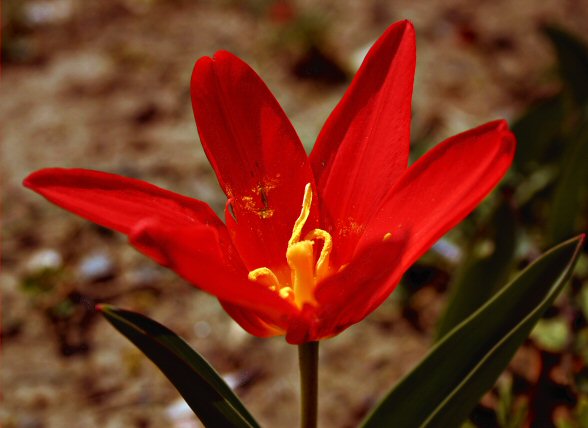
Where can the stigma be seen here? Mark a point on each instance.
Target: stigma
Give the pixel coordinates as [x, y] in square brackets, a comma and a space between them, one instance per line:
[305, 272]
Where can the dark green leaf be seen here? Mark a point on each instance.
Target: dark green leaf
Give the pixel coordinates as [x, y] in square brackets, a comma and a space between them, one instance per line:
[536, 130]
[444, 388]
[573, 62]
[572, 188]
[485, 269]
[202, 388]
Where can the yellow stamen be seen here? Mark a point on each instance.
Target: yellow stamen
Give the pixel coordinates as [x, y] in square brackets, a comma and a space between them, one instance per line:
[300, 259]
[322, 264]
[301, 220]
[285, 292]
[387, 237]
[264, 276]
[304, 273]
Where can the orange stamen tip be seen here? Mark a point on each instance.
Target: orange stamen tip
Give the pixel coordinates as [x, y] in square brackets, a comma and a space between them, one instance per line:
[264, 276]
[285, 292]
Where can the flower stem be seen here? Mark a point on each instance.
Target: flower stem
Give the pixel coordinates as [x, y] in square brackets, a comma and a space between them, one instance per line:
[308, 360]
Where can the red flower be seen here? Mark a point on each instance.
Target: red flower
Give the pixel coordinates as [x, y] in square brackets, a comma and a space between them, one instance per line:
[365, 216]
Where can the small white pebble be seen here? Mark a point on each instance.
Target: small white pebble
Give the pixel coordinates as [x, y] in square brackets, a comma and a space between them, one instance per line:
[181, 415]
[202, 329]
[48, 12]
[44, 259]
[448, 250]
[95, 266]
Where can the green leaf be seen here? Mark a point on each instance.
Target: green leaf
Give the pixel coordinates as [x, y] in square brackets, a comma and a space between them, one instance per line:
[536, 131]
[572, 54]
[572, 187]
[201, 386]
[444, 388]
[485, 269]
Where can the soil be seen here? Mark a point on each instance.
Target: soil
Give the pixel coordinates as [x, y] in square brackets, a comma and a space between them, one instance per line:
[104, 85]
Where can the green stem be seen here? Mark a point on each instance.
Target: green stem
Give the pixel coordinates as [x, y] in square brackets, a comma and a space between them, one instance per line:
[308, 360]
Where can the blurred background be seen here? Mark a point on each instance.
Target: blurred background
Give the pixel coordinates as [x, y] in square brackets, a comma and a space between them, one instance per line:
[105, 85]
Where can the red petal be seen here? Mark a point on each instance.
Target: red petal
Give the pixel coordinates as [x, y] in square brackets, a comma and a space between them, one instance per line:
[302, 327]
[350, 295]
[252, 323]
[363, 147]
[433, 195]
[198, 254]
[443, 187]
[117, 202]
[258, 158]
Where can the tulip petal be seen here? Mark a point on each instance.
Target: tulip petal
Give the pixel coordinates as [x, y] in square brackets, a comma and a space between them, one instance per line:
[256, 154]
[363, 147]
[351, 294]
[115, 201]
[443, 187]
[250, 322]
[302, 327]
[199, 255]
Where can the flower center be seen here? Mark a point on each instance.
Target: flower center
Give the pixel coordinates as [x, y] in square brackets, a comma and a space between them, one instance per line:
[304, 272]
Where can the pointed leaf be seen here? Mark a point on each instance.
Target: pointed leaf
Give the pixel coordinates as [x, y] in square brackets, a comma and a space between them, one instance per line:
[572, 54]
[570, 195]
[536, 131]
[484, 271]
[444, 388]
[204, 390]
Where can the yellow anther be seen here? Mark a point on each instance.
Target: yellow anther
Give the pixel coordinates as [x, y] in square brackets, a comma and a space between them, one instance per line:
[264, 276]
[286, 292]
[322, 264]
[387, 237]
[301, 220]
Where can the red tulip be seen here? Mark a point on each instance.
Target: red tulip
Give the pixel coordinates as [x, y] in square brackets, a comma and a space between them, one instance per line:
[366, 217]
